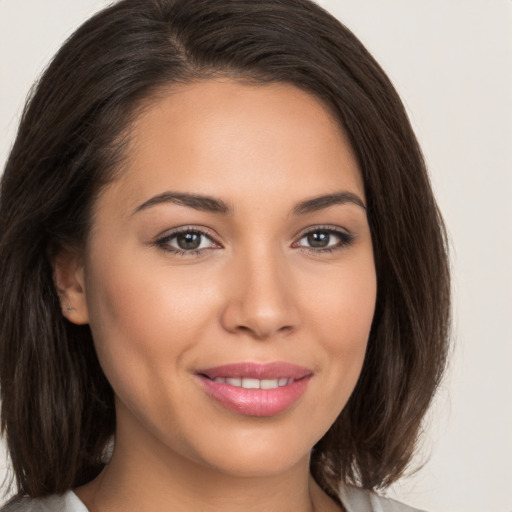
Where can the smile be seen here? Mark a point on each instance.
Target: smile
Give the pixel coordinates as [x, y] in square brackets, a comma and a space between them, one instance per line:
[256, 389]
[249, 383]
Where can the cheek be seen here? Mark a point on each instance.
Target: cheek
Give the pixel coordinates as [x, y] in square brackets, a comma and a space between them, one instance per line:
[145, 321]
[140, 319]
[342, 320]
[147, 318]
[133, 300]
[345, 305]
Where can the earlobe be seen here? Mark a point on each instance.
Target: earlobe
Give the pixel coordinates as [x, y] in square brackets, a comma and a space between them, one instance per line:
[68, 278]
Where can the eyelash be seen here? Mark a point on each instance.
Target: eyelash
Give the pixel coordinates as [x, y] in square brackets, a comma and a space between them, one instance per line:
[345, 240]
[163, 243]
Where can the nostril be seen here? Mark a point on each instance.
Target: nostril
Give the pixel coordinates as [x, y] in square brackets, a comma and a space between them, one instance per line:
[262, 332]
[253, 310]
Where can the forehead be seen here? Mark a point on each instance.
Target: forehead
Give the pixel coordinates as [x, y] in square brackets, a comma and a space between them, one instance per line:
[223, 137]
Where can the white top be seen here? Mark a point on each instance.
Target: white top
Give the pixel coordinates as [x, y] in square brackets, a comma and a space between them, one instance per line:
[353, 499]
[360, 500]
[68, 502]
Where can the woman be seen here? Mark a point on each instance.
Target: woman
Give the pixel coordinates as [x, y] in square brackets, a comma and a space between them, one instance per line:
[224, 281]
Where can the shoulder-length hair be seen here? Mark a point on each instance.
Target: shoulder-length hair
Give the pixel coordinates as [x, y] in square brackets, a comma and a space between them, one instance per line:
[57, 406]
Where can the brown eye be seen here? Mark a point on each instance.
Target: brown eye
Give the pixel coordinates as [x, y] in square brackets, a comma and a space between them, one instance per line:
[319, 239]
[189, 241]
[325, 240]
[186, 241]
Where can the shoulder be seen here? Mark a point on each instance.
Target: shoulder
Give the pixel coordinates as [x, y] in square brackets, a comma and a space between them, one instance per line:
[353, 499]
[68, 502]
[361, 500]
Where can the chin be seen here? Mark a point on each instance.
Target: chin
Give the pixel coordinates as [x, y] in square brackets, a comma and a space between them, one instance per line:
[259, 452]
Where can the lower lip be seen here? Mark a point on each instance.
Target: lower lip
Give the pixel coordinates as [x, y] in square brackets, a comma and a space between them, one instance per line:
[255, 402]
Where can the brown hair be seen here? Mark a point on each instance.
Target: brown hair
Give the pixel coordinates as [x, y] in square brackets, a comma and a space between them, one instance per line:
[57, 406]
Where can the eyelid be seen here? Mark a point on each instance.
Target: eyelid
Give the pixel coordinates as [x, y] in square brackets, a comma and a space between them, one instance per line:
[346, 238]
[322, 227]
[185, 229]
[162, 240]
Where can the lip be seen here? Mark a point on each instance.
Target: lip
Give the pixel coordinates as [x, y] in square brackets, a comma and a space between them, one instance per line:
[256, 402]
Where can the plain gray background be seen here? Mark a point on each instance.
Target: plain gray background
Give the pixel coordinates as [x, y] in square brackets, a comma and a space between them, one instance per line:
[451, 61]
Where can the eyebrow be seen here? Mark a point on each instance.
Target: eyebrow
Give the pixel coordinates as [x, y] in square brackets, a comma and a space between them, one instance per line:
[197, 202]
[214, 205]
[321, 202]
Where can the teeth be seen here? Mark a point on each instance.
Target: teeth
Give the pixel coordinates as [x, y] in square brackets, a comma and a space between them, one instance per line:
[249, 383]
[270, 383]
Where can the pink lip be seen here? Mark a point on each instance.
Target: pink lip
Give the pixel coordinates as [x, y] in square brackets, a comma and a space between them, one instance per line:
[256, 402]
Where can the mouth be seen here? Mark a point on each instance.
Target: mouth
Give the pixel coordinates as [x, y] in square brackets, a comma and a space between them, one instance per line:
[249, 383]
[256, 389]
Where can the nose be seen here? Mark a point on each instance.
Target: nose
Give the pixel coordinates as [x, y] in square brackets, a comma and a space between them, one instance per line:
[260, 302]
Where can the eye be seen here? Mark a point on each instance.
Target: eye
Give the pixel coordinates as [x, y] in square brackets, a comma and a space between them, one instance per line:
[325, 239]
[186, 241]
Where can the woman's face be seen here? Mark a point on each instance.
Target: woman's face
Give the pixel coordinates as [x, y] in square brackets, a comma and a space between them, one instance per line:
[234, 245]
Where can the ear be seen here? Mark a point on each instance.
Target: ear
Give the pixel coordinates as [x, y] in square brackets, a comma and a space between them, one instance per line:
[68, 278]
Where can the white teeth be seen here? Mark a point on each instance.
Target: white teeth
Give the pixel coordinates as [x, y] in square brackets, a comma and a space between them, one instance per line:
[249, 383]
[269, 383]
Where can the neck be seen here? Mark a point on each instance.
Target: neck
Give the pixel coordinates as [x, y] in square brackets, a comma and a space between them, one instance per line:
[140, 486]
[144, 474]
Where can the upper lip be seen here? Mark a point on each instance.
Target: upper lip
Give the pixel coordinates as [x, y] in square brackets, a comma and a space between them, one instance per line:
[273, 370]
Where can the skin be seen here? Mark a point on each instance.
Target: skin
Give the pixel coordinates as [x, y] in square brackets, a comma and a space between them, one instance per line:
[256, 291]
